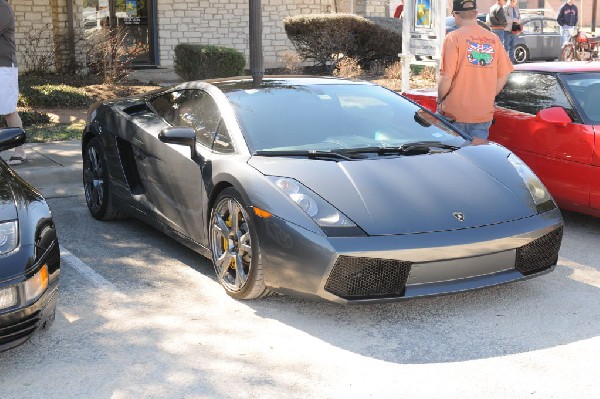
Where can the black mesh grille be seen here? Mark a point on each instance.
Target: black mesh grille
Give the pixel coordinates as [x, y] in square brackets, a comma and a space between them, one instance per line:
[539, 254]
[367, 277]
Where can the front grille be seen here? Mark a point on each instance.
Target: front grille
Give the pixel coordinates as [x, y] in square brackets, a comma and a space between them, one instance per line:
[13, 332]
[355, 278]
[540, 254]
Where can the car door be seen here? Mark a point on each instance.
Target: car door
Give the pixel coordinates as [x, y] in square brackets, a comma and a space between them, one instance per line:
[560, 156]
[551, 48]
[180, 189]
[171, 178]
[532, 37]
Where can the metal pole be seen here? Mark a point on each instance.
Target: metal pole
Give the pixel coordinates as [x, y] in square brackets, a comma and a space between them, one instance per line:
[594, 10]
[256, 49]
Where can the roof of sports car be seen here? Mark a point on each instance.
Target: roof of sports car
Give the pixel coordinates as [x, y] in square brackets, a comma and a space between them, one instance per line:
[577, 66]
[246, 82]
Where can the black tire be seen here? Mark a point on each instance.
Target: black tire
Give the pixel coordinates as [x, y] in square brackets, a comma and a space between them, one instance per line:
[96, 183]
[521, 54]
[567, 53]
[233, 242]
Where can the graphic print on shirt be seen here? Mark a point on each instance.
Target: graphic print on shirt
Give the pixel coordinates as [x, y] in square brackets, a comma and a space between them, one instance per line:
[481, 54]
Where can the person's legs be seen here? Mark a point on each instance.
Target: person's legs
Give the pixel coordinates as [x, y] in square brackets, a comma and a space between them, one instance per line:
[565, 34]
[509, 39]
[500, 34]
[475, 130]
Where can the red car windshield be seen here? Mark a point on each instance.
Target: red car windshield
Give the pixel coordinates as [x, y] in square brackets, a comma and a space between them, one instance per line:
[585, 90]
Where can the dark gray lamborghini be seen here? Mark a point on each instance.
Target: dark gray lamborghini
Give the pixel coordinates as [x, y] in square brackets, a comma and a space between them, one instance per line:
[319, 187]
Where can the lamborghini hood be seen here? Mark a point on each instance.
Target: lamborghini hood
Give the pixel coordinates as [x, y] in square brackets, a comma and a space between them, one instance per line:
[403, 195]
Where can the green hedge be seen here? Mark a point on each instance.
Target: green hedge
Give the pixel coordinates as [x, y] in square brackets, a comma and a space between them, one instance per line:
[322, 37]
[29, 118]
[198, 61]
[52, 95]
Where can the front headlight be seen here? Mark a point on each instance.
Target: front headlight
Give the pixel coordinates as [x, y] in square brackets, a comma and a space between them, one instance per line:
[8, 297]
[8, 236]
[540, 195]
[332, 221]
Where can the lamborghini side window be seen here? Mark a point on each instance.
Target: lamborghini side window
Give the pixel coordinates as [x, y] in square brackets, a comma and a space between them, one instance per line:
[166, 106]
[207, 121]
[532, 92]
[222, 141]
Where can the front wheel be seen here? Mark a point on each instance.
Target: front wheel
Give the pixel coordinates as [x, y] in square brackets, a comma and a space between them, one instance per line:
[235, 248]
[98, 196]
[567, 53]
[521, 54]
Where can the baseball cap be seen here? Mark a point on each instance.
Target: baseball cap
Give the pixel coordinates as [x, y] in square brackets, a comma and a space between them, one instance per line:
[464, 5]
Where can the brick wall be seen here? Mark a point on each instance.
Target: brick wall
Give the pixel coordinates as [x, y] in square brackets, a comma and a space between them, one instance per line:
[225, 23]
[41, 30]
[217, 22]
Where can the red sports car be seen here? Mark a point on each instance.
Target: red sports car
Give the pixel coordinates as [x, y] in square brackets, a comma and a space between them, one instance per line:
[549, 115]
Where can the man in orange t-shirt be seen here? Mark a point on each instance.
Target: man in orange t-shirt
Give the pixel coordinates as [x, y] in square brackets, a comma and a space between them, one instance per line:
[474, 68]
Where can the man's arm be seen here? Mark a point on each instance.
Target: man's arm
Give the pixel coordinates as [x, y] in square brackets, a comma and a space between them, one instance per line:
[561, 16]
[4, 19]
[500, 82]
[501, 16]
[443, 88]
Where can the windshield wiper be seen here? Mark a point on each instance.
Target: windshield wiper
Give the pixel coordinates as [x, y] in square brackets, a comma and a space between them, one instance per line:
[313, 154]
[433, 144]
[415, 148]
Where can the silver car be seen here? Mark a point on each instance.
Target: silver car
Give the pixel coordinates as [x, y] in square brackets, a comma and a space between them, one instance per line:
[319, 187]
[539, 40]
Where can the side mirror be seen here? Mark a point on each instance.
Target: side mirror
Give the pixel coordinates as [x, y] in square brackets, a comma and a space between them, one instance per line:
[11, 137]
[554, 115]
[180, 136]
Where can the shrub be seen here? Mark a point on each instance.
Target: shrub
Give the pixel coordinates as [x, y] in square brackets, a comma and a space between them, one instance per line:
[198, 61]
[29, 118]
[109, 53]
[394, 70]
[348, 68]
[323, 38]
[34, 93]
[292, 61]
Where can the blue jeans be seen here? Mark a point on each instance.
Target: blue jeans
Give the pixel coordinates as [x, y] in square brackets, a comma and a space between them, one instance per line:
[481, 130]
[565, 33]
[500, 33]
[509, 45]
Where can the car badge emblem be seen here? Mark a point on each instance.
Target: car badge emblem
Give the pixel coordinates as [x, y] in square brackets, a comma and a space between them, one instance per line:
[459, 216]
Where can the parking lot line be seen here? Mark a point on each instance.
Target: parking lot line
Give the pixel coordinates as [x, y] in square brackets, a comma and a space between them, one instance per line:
[89, 273]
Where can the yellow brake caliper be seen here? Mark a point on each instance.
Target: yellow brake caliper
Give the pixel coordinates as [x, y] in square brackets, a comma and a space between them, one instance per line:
[228, 223]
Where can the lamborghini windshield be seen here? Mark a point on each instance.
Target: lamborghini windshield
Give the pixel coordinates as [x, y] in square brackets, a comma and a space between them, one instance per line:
[330, 117]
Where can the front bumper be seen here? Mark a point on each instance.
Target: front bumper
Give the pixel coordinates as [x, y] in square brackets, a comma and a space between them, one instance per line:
[18, 325]
[20, 321]
[391, 268]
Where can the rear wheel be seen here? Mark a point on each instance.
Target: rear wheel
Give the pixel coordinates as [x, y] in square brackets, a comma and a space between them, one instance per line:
[235, 248]
[96, 183]
[521, 54]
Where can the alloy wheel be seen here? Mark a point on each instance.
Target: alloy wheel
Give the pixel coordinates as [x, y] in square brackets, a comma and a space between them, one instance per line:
[231, 244]
[93, 179]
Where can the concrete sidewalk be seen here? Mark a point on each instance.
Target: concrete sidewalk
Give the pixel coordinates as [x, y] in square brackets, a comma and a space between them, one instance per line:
[54, 168]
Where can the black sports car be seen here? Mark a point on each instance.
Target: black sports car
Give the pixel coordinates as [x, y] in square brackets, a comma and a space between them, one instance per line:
[321, 187]
[29, 254]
